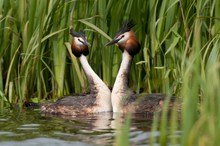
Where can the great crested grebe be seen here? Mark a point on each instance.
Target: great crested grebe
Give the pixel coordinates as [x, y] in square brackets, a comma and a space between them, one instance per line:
[123, 99]
[99, 99]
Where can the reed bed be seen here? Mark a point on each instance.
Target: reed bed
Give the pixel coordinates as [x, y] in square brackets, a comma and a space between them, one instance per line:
[179, 56]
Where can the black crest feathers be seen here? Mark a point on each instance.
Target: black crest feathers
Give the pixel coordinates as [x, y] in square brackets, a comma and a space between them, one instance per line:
[126, 26]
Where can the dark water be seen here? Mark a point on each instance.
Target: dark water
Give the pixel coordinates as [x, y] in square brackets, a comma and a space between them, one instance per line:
[28, 127]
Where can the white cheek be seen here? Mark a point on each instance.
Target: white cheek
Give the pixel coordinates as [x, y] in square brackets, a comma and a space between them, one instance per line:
[78, 43]
[124, 39]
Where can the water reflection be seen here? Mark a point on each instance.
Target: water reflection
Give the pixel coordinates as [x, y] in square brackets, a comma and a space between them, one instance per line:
[28, 127]
[93, 122]
[100, 128]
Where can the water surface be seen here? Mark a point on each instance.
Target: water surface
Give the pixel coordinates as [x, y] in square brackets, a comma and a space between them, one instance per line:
[28, 127]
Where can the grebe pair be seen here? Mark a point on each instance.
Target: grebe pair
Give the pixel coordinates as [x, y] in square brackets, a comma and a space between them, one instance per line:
[122, 99]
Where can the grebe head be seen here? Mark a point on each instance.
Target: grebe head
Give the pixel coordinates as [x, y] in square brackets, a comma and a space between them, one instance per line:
[126, 39]
[79, 44]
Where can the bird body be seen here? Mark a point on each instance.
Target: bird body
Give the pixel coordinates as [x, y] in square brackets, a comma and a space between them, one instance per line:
[99, 99]
[123, 99]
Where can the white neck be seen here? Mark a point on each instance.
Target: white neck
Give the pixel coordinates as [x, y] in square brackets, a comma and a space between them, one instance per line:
[98, 87]
[120, 89]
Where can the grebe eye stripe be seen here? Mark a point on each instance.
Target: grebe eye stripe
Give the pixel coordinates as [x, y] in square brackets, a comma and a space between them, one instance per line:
[80, 40]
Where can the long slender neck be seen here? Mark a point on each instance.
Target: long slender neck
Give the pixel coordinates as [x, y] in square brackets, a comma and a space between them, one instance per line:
[97, 86]
[90, 74]
[120, 89]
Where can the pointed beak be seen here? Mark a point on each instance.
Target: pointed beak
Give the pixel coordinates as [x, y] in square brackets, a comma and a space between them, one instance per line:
[86, 43]
[112, 42]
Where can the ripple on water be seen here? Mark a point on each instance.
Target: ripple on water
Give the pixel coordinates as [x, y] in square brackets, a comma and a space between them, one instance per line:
[28, 127]
[3, 120]
[43, 141]
[6, 133]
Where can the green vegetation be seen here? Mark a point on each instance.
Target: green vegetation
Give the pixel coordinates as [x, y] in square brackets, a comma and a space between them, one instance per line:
[180, 55]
